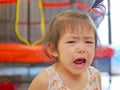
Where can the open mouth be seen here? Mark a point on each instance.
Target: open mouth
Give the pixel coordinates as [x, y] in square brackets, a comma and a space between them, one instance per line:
[79, 62]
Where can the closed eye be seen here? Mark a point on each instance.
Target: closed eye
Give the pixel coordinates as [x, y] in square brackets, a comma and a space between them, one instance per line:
[89, 42]
[71, 42]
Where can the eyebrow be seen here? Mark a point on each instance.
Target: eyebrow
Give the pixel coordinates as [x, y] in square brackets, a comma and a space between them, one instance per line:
[89, 37]
[77, 37]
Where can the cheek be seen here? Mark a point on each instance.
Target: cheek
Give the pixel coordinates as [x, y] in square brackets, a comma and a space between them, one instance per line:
[65, 52]
[91, 53]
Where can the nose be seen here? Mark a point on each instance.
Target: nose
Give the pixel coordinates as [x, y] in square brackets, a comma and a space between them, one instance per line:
[80, 50]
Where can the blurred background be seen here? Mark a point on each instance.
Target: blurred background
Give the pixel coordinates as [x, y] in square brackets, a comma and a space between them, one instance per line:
[23, 28]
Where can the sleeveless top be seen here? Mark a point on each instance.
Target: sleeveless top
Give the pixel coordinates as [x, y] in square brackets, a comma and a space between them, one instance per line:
[56, 83]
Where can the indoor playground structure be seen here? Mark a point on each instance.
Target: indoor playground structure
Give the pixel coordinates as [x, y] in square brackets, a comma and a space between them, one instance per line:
[24, 24]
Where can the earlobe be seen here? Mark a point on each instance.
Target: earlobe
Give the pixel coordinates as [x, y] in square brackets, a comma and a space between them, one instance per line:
[52, 50]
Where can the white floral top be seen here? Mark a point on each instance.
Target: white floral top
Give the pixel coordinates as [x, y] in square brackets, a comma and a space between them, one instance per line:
[56, 83]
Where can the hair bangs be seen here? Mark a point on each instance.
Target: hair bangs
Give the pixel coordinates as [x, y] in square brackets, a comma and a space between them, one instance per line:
[76, 25]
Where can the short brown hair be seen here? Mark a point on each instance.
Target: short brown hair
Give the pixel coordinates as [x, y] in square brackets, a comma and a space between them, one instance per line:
[72, 20]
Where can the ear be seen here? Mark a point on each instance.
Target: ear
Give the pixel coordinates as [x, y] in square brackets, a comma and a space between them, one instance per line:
[52, 50]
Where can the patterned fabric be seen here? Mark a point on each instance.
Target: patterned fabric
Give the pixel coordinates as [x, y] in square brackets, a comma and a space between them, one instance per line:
[56, 83]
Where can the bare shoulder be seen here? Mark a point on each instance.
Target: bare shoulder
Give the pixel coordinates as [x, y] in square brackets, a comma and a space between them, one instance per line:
[40, 81]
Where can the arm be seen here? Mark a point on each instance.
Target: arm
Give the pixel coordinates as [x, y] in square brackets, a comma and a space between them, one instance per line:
[39, 82]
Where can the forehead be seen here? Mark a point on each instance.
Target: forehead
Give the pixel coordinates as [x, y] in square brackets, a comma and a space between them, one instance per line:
[79, 28]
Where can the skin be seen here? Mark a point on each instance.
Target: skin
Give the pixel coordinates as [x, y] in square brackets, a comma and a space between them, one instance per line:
[71, 46]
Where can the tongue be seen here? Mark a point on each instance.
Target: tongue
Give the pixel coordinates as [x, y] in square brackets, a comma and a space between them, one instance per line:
[79, 61]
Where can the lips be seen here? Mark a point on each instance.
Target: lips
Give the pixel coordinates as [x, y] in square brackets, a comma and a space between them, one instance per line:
[79, 63]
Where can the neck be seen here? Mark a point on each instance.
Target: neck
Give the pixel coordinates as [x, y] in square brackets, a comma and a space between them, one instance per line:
[64, 72]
